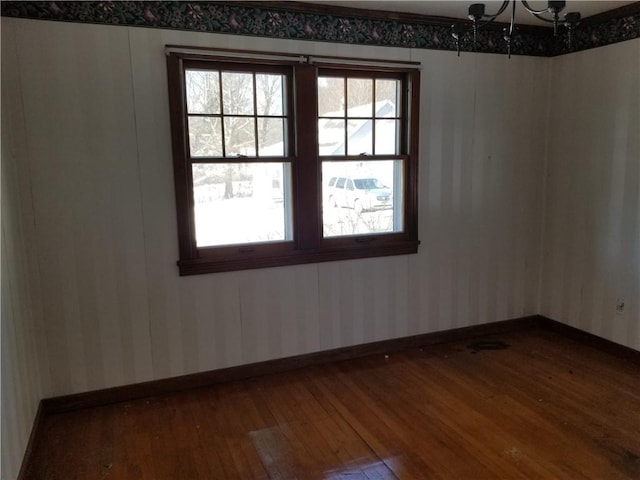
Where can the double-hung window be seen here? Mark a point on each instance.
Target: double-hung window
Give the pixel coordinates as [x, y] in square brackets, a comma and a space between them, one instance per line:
[280, 160]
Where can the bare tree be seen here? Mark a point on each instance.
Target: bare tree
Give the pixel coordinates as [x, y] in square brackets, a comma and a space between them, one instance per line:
[233, 94]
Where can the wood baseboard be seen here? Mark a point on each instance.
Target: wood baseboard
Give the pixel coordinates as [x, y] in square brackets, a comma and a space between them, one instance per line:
[204, 379]
[33, 438]
[590, 339]
[197, 380]
[241, 372]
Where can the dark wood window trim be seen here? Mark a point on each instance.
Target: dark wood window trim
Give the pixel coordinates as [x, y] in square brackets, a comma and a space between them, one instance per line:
[308, 244]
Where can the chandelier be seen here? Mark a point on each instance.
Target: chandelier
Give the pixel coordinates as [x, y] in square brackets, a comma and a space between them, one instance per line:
[481, 19]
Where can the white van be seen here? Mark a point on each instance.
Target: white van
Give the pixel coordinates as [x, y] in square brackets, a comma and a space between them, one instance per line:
[361, 194]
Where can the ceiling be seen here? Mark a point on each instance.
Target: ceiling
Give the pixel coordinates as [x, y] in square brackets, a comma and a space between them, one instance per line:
[458, 8]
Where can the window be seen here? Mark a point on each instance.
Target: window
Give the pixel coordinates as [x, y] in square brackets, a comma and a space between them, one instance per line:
[360, 116]
[237, 120]
[280, 160]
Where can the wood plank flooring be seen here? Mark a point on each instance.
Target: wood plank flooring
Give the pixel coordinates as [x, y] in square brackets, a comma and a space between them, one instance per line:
[544, 407]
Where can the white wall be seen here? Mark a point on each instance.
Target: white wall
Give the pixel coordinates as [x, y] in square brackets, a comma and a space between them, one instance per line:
[91, 296]
[96, 116]
[24, 372]
[592, 220]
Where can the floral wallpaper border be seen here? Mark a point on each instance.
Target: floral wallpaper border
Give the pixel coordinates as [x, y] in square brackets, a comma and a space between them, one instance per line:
[268, 20]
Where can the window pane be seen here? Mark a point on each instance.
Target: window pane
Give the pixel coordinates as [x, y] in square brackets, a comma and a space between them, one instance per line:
[387, 141]
[269, 94]
[373, 206]
[360, 136]
[271, 137]
[331, 136]
[330, 97]
[203, 91]
[387, 98]
[240, 136]
[205, 137]
[237, 90]
[239, 203]
[360, 97]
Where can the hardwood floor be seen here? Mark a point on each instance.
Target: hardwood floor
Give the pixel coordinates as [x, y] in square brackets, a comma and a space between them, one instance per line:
[544, 407]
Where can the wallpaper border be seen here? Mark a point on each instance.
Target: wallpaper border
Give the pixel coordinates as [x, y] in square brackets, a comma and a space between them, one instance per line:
[296, 21]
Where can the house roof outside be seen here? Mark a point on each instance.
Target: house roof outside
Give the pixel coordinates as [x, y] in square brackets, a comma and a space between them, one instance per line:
[359, 139]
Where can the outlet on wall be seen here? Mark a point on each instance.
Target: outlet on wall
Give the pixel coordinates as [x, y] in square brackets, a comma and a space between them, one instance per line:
[620, 306]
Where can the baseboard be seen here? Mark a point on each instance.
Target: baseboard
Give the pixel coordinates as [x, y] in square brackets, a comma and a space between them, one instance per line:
[33, 438]
[590, 339]
[204, 379]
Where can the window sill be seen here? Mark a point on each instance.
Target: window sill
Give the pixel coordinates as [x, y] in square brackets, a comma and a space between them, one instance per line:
[200, 266]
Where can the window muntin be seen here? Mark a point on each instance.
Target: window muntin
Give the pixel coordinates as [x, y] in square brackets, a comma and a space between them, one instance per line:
[367, 198]
[275, 135]
[371, 123]
[234, 114]
[248, 119]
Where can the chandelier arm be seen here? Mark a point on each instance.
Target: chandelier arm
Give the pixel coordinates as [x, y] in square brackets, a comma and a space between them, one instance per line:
[480, 20]
[512, 26]
[492, 17]
[489, 19]
[503, 7]
[479, 25]
[531, 10]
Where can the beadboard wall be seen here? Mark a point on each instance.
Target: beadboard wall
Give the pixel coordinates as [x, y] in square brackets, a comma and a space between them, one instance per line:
[94, 174]
[91, 296]
[101, 182]
[592, 220]
[23, 345]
